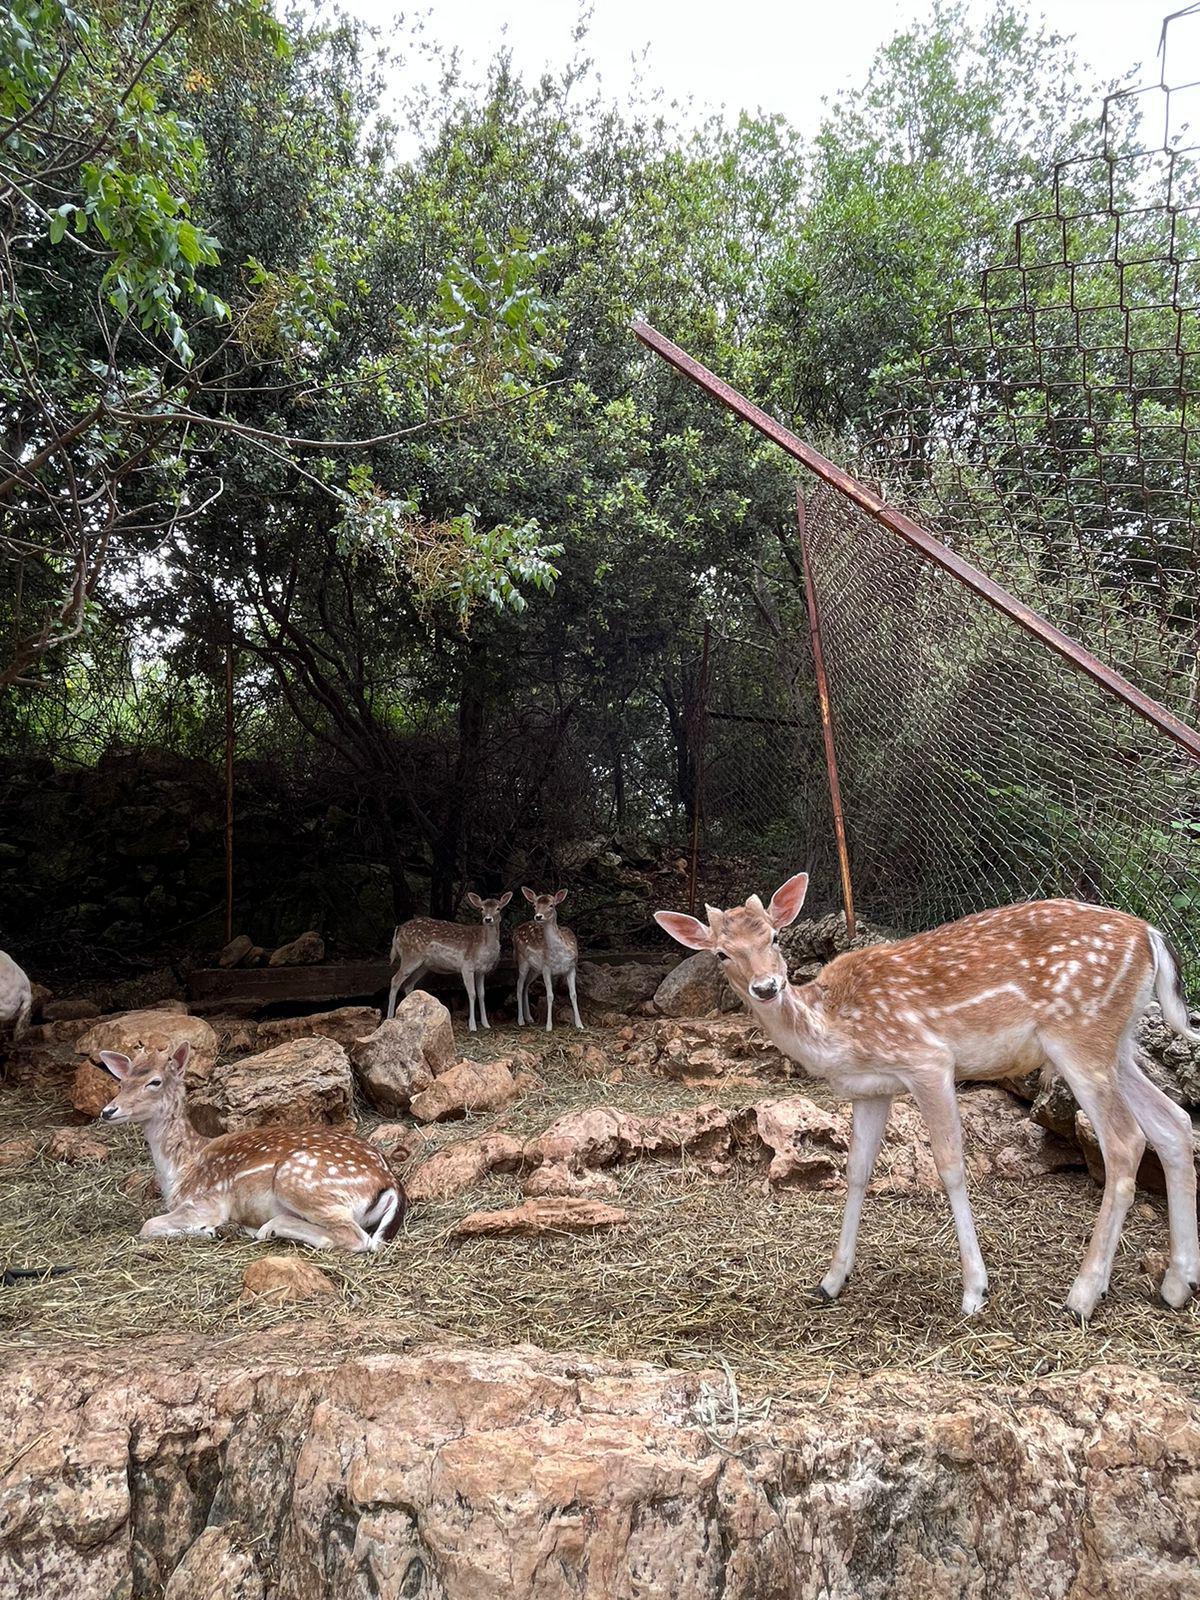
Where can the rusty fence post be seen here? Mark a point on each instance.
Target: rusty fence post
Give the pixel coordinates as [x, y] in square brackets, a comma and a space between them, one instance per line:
[699, 736]
[831, 766]
[229, 740]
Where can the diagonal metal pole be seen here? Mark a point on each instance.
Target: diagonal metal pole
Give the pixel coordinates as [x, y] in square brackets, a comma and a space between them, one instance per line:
[920, 539]
[831, 766]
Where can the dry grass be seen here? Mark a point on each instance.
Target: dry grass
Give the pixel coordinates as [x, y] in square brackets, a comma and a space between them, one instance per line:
[708, 1266]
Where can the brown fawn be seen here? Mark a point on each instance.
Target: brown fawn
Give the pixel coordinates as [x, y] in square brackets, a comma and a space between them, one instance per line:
[543, 947]
[425, 945]
[1052, 984]
[318, 1186]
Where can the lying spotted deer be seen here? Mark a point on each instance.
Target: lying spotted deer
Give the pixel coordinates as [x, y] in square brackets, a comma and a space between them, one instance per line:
[425, 945]
[16, 997]
[542, 947]
[318, 1186]
[1052, 984]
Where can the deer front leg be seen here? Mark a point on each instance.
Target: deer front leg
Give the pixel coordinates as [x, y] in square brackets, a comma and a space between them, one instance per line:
[468, 978]
[938, 1106]
[479, 989]
[867, 1127]
[548, 980]
[193, 1218]
[571, 992]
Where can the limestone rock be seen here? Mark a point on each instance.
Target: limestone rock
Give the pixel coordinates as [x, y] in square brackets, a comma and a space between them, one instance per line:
[693, 988]
[494, 1474]
[76, 1147]
[17, 1153]
[302, 1082]
[217, 1567]
[469, 1086]
[819, 939]
[1172, 1062]
[152, 1029]
[345, 1024]
[458, 1167]
[69, 1010]
[397, 1140]
[91, 1089]
[807, 1143]
[236, 951]
[405, 1053]
[1000, 1140]
[619, 986]
[284, 1278]
[706, 1048]
[547, 1215]
[300, 952]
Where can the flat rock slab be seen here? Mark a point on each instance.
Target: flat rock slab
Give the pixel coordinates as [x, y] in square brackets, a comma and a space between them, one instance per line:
[559, 1214]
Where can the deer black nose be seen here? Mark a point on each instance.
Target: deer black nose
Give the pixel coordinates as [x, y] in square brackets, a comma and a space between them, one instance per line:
[109, 1113]
[765, 988]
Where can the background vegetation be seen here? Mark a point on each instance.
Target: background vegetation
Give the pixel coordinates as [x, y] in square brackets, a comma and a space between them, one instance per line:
[376, 429]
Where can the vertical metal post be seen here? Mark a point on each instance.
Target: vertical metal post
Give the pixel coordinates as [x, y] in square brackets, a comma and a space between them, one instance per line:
[701, 724]
[818, 652]
[229, 778]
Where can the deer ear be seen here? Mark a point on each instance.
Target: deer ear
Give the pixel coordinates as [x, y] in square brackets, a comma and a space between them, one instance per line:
[787, 900]
[505, 898]
[560, 897]
[529, 894]
[181, 1055]
[474, 900]
[685, 930]
[113, 1061]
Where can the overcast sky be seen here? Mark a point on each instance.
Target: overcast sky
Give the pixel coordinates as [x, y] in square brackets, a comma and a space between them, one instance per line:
[780, 55]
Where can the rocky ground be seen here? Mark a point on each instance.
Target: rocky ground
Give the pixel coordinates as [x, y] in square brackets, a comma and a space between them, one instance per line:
[589, 1365]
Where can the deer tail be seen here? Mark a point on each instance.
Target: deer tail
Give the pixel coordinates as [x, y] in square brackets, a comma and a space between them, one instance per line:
[1168, 988]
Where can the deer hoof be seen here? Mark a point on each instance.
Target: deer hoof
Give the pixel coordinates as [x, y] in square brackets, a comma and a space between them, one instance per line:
[1175, 1289]
[821, 1296]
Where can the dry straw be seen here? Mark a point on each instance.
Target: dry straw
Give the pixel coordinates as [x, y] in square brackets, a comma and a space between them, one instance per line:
[709, 1267]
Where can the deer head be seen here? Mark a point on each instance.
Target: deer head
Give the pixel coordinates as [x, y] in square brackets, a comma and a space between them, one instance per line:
[745, 939]
[147, 1086]
[545, 906]
[489, 910]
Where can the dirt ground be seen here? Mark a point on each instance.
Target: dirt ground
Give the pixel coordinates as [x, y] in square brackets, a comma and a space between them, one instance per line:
[708, 1267]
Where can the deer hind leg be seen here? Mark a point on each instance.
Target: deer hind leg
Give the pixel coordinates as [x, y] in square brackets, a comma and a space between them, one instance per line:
[1169, 1129]
[522, 980]
[869, 1119]
[334, 1229]
[938, 1106]
[571, 992]
[1093, 1079]
[405, 975]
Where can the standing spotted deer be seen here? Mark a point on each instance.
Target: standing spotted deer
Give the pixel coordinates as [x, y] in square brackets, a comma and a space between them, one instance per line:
[318, 1186]
[1052, 984]
[16, 997]
[426, 945]
[543, 947]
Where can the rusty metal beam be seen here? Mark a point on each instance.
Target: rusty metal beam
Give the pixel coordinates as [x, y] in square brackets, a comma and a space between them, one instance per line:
[831, 767]
[921, 540]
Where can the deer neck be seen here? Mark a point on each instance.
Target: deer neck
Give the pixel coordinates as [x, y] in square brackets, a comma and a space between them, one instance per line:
[555, 942]
[795, 1026]
[174, 1144]
[488, 942]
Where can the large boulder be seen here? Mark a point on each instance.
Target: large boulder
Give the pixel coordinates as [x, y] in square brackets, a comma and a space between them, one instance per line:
[309, 947]
[150, 1029]
[236, 951]
[693, 988]
[404, 1054]
[619, 986]
[819, 939]
[345, 1024]
[297, 1084]
[458, 1167]
[467, 1087]
[1172, 1062]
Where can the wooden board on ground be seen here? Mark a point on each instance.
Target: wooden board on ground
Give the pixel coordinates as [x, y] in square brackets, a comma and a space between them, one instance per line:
[328, 983]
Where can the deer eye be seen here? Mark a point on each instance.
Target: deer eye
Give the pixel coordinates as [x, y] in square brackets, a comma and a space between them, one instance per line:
[721, 956]
[154, 1083]
[775, 938]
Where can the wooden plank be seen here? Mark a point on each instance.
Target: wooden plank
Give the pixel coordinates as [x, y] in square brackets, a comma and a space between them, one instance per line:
[349, 980]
